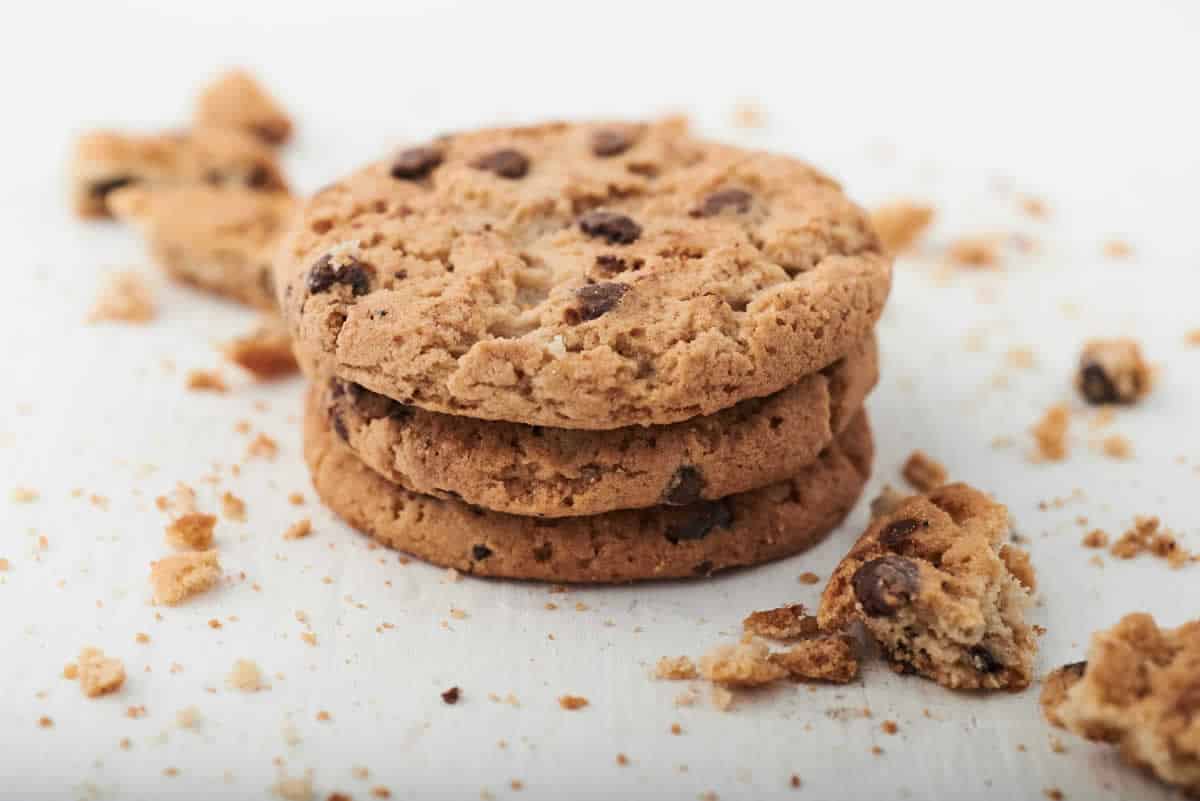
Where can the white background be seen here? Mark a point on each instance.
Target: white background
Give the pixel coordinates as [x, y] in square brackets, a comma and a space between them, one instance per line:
[1092, 107]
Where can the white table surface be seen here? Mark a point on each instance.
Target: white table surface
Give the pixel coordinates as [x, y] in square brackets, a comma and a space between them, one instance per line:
[1091, 108]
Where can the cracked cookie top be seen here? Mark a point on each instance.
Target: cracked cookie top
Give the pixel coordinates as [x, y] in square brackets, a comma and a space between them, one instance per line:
[586, 276]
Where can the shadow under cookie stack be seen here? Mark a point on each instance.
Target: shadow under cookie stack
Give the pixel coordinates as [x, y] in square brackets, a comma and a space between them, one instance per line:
[586, 353]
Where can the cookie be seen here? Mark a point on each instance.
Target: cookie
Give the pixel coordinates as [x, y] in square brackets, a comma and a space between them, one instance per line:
[937, 585]
[220, 239]
[105, 161]
[1139, 689]
[662, 542]
[235, 100]
[559, 472]
[580, 276]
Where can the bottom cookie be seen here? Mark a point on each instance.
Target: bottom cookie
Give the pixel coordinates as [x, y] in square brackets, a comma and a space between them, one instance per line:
[660, 542]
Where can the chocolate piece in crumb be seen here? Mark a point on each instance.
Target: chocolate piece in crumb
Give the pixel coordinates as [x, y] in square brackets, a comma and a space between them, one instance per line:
[506, 163]
[416, 163]
[686, 486]
[702, 518]
[736, 201]
[331, 270]
[451, 696]
[596, 300]
[1112, 371]
[608, 142]
[884, 585]
[613, 228]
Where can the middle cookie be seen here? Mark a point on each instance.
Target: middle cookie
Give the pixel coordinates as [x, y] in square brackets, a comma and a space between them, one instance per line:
[554, 472]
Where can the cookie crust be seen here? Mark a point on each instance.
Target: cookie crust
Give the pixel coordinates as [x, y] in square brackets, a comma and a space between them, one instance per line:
[546, 276]
[555, 472]
[664, 542]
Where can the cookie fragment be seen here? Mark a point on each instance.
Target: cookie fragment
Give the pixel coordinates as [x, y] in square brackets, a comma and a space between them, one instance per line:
[743, 664]
[1140, 690]
[924, 473]
[1112, 371]
[192, 531]
[99, 674]
[176, 578]
[265, 352]
[125, 297]
[931, 581]
[829, 658]
[783, 623]
[235, 100]
[901, 223]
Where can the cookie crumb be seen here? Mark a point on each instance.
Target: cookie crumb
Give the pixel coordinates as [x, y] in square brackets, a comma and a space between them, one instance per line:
[722, 698]
[923, 473]
[99, 674]
[1096, 538]
[188, 717]
[233, 508]
[794, 782]
[124, 297]
[1035, 207]
[889, 727]
[676, 729]
[622, 760]
[749, 114]
[974, 251]
[901, 223]
[1050, 434]
[572, 702]
[784, 623]
[808, 577]
[379, 791]
[265, 352]
[1054, 794]
[744, 664]
[1117, 447]
[1192, 338]
[192, 531]
[1147, 536]
[1113, 371]
[262, 447]
[451, 696]
[45, 722]
[1118, 249]
[245, 676]
[206, 381]
[301, 528]
[23, 495]
[179, 577]
[294, 788]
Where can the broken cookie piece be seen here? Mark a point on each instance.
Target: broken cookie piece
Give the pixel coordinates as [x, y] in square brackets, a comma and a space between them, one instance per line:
[923, 472]
[743, 664]
[179, 577]
[824, 657]
[784, 623]
[99, 674]
[932, 583]
[901, 223]
[217, 238]
[235, 100]
[266, 352]
[1112, 371]
[1139, 689]
[106, 161]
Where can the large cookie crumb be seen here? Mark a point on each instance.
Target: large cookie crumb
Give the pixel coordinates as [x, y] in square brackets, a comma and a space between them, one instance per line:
[99, 674]
[901, 223]
[177, 578]
[125, 297]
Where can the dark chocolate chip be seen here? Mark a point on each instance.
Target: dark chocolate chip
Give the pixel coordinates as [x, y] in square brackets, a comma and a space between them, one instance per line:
[897, 532]
[416, 163]
[735, 200]
[507, 163]
[102, 189]
[479, 552]
[451, 695]
[613, 228]
[351, 272]
[259, 177]
[1096, 385]
[684, 487]
[543, 552]
[886, 584]
[595, 300]
[610, 142]
[339, 425]
[701, 519]
[982, 660]
[612, 265]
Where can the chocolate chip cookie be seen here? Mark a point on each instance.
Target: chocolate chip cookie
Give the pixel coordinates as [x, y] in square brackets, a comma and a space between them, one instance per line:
[586, 276]
[1139, 689]
[220, 239]
[105, 161]
[662, 542]
[941, 590]
[558, 472]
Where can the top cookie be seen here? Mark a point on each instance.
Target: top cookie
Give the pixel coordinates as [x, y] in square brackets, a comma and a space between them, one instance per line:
[580, 276]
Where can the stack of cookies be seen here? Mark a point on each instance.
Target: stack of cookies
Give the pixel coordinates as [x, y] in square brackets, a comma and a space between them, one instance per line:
[593, 353]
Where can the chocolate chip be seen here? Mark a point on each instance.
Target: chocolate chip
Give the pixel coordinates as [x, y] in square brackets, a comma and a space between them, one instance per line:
[595, 300]
[897, 532]
[102, 189]
[260, 177]
[684, 487]
[608, 142]
[735, 200]
[612, 265]
[506, 162]
[886, 584]
[339, 425]
[451, 696]
[982, 660]
[416, 163]
[479, 552]
[350, 271]
[701, 519]
[613, 228]
[374, 406]
[1096, 385]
